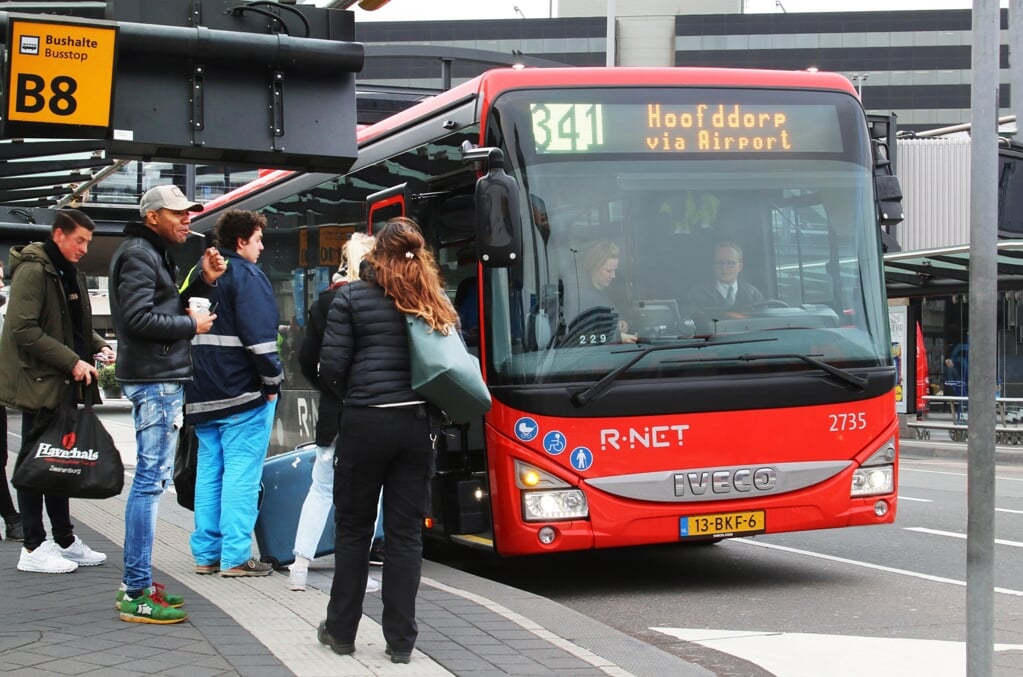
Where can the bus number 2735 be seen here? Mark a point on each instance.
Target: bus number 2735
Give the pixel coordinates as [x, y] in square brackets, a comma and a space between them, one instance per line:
[850, 421]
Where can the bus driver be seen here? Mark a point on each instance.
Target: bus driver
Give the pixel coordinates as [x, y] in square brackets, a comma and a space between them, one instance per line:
[600, 263]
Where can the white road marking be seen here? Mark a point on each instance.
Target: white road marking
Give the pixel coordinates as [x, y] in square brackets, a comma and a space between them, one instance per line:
[867, 565]
[933, 472]
[1012, 512]
[1000, 478]
[918, 500]
[953, 534]
[796, 654]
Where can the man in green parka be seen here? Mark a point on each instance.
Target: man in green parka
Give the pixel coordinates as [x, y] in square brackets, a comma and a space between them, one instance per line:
[46, 349]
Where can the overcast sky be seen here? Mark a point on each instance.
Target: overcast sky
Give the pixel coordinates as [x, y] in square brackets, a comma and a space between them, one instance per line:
[408, 10]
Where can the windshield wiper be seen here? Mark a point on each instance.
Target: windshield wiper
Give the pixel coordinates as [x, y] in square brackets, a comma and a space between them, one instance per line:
[852, 380]
[584, 397]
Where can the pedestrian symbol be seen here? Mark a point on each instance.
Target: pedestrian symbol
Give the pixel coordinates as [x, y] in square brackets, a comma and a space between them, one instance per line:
[582, 458]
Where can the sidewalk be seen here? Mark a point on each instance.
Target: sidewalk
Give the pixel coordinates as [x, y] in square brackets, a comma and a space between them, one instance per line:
[67, 625]
[940, 444]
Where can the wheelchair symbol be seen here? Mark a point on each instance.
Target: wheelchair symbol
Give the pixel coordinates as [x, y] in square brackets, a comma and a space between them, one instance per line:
[554, 442]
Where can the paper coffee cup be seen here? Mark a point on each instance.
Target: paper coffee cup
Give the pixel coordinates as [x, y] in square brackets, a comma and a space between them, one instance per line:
[199, 305]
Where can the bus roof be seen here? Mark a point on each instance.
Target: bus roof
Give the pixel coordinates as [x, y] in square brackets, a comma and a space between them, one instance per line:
[489, 84]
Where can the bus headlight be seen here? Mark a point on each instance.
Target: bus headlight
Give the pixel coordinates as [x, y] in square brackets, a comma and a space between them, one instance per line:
[877, 474]
[546, 506]
[546, 497]
[873, 481]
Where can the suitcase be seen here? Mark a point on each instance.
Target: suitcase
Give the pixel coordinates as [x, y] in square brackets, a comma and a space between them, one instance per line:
[286, 481]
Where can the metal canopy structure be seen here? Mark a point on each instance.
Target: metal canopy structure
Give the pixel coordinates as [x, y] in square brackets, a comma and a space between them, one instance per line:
[946, 271]
[40, 173]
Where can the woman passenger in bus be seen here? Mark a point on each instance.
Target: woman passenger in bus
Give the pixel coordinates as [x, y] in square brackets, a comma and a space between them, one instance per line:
[384, 435]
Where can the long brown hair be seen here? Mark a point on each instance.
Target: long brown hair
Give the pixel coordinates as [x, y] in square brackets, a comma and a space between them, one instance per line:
[407, 271]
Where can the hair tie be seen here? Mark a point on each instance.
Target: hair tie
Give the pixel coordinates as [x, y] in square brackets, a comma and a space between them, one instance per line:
[409, 255]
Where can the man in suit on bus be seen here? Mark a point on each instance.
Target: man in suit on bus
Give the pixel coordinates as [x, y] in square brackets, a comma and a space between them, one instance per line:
[726, 292]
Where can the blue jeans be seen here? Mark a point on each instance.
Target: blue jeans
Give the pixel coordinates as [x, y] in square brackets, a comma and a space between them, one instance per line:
[230, 467]
[157, 409]
[317, 505]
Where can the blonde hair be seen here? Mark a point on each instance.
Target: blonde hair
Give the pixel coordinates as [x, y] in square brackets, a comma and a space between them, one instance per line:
[354, 251]
[595, 254]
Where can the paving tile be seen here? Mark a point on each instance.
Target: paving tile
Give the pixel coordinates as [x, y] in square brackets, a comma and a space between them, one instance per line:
[103, 659]
[258, 671]
[26, 658]
[67, 666]
[94, 643]
[31, 672]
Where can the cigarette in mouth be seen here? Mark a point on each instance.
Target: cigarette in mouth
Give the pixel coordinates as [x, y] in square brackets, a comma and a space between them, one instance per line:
[192, 232]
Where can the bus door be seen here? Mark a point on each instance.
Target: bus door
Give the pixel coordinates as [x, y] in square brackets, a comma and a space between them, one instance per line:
[458, 505]
[390, 203]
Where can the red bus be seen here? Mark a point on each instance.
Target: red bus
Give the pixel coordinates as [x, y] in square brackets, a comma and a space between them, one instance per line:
[715, 422]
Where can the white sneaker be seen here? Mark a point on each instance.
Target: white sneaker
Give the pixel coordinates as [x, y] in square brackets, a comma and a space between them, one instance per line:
[81, 554]
[296, 579]
[45, 560]
[372, 584]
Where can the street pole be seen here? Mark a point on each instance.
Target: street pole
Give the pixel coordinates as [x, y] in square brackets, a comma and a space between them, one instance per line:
[858, 78]
[1016, 62]
[980, 542]
[611, 42]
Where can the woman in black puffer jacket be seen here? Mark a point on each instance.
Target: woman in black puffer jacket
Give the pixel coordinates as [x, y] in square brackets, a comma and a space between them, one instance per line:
[384, 435]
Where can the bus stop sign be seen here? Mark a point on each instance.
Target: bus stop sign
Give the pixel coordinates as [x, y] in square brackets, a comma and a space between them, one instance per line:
[59, 77]
[219, 82]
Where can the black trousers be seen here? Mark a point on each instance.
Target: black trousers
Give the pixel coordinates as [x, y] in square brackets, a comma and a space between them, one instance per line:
[31, 502]
[388, 448]
[7, 508]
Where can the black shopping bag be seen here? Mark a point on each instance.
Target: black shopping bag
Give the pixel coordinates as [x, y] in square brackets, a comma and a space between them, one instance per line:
[73, 455]
[186, 459]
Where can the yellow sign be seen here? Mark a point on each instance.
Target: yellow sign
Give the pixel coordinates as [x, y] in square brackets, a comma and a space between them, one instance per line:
[60, 73]
[332, 239]
[303, 247]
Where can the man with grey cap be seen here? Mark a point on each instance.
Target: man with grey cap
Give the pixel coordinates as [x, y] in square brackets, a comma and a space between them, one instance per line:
[154, 332]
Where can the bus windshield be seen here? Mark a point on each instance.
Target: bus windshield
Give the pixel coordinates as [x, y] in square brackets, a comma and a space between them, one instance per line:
[737, 221]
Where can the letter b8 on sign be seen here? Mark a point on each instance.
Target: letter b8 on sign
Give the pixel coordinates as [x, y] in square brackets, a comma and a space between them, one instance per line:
[59, 75]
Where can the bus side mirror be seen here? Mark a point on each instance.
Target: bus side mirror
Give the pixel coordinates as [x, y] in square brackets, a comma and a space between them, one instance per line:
[889, 199]
[498, 219]
[887, 191]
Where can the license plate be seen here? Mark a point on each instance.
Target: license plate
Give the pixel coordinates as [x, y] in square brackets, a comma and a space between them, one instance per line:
[721, 524]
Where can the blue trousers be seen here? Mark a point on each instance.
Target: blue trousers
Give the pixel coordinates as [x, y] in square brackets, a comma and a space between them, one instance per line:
[229, 469]
[156, 408]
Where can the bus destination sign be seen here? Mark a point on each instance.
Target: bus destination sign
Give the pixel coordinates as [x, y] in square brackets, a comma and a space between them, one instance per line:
[702, 127]
[60, 73]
